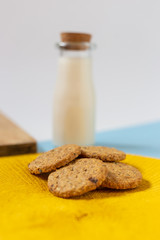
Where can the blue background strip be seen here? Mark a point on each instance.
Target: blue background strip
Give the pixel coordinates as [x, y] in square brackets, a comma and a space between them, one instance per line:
[140, 140]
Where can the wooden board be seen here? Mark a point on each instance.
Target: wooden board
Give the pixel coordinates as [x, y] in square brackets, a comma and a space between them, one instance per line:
[14, 140]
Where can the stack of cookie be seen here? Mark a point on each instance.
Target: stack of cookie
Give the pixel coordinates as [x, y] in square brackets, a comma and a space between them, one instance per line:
[75, 170]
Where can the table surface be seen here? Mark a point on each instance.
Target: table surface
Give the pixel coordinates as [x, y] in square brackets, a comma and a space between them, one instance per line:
[140, 140]
[30, 211]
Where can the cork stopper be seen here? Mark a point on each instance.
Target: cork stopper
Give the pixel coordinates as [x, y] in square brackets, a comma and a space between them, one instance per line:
[75, 37]
[76, 41]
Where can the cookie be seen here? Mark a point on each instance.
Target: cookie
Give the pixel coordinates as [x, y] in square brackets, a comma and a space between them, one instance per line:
[79, 177]
[103, 153]
[53, 159]
[121, 176]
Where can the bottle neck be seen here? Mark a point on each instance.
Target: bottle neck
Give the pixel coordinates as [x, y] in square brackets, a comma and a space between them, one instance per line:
[75, 53]
[75, 49]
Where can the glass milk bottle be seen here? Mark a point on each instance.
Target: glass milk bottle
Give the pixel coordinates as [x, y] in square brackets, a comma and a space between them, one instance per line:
[74, 100]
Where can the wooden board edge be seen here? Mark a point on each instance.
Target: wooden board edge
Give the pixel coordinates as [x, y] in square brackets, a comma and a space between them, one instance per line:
[18, 149]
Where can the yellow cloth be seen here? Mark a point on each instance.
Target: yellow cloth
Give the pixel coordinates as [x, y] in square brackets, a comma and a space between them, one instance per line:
[30, 211]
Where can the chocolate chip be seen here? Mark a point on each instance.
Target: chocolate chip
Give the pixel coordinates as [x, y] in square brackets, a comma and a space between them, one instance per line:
[94, 180]
[40, 170]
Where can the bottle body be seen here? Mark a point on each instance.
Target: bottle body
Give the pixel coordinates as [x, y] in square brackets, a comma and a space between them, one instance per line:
[74, 102]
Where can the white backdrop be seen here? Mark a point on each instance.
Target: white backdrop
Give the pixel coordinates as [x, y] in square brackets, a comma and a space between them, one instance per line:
[126, 62]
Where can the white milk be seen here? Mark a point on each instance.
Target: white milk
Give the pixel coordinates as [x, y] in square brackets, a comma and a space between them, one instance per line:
[74, 104]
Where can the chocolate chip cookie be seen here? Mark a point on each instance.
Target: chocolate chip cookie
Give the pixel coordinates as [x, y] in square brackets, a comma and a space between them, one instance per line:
[79, 177]
[53, 159]
[103, 153]
[121, 176]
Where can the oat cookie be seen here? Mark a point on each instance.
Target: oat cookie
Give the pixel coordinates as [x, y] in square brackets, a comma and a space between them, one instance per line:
[121, 176]
[53, 159]
[79, 177]
[103, 153]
